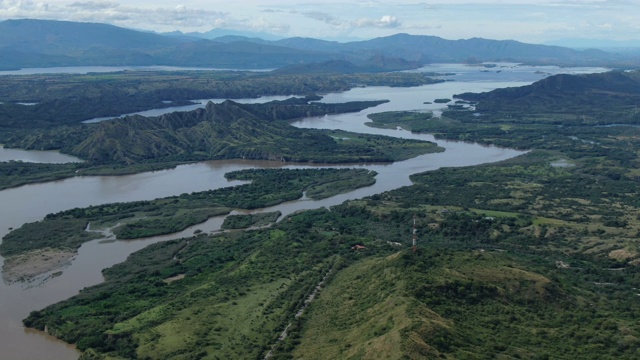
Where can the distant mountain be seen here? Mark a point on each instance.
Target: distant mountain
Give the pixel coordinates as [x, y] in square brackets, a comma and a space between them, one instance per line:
[375, 64]
[432, 49]
[217, 33]
[596, 44]
[44, 43]
[235, 55]
[61, 37]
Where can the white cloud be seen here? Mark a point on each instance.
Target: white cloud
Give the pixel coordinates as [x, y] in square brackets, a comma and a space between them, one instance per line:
[605, 26]
[321, 16]
[94, 5]
[159, 18]
[386, 21]
[424, 26]
[264, 25]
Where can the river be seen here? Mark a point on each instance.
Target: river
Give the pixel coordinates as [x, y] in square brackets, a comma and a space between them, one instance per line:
[32, 202]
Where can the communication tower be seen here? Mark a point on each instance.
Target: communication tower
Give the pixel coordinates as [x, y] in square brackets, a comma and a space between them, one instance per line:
[414, 247]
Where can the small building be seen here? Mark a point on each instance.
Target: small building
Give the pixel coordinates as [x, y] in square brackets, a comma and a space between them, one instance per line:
[358, 247]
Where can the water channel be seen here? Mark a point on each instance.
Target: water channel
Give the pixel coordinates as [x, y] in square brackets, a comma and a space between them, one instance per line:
[32, 202]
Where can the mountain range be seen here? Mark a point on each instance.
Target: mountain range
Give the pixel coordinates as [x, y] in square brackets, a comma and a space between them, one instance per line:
[603, 44]
[46, 43]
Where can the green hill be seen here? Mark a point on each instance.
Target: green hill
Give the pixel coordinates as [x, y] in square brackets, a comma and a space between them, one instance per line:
[227, 131]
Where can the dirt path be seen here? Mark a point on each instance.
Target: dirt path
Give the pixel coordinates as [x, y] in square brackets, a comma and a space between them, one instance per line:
[304, 306]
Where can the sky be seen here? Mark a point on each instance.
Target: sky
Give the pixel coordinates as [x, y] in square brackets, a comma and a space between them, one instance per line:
[532, 21]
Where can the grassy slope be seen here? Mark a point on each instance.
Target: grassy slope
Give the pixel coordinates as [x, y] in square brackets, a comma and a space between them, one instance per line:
[465, 303]
[235, 296]
[364, 313]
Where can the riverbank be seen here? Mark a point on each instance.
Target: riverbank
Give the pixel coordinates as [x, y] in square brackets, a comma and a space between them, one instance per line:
[25, 267]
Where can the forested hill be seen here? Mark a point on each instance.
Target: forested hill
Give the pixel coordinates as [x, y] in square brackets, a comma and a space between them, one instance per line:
[568, 94]
[224, 131]
[43, 43]
[433, 49]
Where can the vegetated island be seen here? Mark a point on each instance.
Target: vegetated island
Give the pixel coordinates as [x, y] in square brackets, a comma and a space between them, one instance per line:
[521, 259]
[59, 235]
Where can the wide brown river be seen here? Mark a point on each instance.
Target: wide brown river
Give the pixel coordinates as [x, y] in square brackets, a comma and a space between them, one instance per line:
[32, 202]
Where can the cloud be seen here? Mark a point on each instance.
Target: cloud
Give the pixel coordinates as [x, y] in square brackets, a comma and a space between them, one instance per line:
[424, 26]
[262, 24]
[321, 16]
[94, 5]
[386, 21]
[159, 18]
[605, 26]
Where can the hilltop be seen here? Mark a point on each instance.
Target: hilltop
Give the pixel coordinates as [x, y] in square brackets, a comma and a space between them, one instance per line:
[227, 131]
[589, 99]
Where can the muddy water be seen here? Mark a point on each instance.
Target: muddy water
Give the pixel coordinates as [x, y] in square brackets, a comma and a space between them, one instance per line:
[32, 202]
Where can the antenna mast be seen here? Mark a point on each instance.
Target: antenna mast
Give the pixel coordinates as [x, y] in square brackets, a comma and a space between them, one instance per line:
[414, 247]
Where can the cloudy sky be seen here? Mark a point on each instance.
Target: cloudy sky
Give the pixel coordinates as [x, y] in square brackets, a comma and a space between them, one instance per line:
[533, 21]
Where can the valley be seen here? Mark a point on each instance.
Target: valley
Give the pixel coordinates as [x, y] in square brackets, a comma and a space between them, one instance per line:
[513, 256]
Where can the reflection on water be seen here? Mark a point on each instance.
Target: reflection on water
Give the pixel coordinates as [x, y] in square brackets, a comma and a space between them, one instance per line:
[44, 157]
